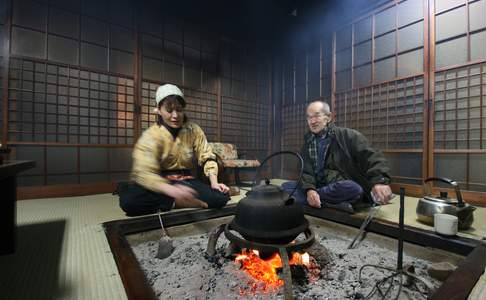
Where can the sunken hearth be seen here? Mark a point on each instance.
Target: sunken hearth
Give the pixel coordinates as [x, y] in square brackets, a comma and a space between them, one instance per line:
[322, 269]
[189, 274]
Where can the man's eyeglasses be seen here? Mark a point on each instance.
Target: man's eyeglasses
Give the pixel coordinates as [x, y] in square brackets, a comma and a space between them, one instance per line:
[316, 116]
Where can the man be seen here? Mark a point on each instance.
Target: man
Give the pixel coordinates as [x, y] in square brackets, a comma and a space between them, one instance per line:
[340, 167]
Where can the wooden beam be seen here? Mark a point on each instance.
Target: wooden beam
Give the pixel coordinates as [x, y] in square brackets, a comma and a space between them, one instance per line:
[471, 197]
[460, 151]
[219, 107]
[137, 76]
[333, 77]
[402, 151]
[461, 282]
[132, 276]
[55, 144]
[428, 125]
[5, 74]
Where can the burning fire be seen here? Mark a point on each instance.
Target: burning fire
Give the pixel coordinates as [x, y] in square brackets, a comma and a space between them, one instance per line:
[265, 270]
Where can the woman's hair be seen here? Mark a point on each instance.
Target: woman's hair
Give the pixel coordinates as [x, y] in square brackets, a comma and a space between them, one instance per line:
[171, 102]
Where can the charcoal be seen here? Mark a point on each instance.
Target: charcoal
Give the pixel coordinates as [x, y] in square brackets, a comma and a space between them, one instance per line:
[320, 253]
[342, 275]
[299, 274]
[231, 250]
[190, 274]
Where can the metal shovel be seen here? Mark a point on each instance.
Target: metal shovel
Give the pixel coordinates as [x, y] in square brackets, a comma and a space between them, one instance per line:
[166, 246]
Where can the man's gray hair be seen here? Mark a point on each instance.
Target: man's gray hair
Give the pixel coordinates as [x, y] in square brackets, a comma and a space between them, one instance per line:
[326, 109]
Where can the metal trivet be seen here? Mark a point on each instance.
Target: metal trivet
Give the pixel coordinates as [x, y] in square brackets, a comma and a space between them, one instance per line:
[411, 278]
[237, 243]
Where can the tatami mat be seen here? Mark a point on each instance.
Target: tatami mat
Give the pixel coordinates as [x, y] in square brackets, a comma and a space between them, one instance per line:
[390, 212]
[62, 252]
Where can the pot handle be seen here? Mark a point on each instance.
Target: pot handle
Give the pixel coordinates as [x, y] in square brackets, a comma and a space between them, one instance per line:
[280, 153]
[457, 190]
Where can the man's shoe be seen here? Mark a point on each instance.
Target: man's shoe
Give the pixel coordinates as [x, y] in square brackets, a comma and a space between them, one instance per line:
[343, 206]
[361, 205]
[234, 191]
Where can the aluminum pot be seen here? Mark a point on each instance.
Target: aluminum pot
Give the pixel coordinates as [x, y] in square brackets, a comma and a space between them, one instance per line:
[429, 205]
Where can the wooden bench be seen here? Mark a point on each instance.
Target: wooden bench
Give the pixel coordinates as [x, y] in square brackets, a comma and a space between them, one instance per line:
[228, 156]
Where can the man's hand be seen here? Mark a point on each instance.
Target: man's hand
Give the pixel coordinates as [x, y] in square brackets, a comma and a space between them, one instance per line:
[220, 187]
[185, 196]
[382, 193]
[313, 199]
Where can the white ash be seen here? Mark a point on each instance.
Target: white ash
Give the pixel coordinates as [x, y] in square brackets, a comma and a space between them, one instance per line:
[187, 273]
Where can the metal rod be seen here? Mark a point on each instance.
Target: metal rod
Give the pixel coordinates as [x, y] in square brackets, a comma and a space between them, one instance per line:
[400, 230]
[287, 275]
[213, 239]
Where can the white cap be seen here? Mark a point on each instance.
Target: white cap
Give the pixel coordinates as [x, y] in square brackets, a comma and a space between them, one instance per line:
[167, 90]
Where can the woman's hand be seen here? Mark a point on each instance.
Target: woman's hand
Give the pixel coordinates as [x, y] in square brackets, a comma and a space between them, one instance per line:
[184, 196]
[220, 187]
[213, 179]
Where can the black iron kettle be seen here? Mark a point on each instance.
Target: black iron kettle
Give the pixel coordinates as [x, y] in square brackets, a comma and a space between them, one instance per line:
[267, 214]
[429, 205]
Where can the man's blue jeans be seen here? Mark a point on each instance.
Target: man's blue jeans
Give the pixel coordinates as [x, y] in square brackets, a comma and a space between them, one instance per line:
[333, 193]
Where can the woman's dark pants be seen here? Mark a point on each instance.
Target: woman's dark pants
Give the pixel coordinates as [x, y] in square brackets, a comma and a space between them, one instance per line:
[136, 200]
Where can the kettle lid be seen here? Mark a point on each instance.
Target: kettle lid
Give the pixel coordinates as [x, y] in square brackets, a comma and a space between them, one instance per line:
[267, 191]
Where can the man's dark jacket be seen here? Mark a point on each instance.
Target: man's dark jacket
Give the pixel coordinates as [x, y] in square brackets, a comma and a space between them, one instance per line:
[349, 156]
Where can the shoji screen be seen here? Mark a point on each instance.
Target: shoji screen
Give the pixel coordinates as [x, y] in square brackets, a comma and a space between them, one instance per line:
[460, 92]
[407, 58]
[379, 83]
[245, 91]
[71, 97]
[81, 84]
[305, 76]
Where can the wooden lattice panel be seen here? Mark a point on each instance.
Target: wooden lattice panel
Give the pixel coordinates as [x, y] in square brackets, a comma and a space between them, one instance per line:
[294, 127]
[201, 108]
[245, 123]
[459, 120]
[390, 115]
[55, 103]
[147, 114]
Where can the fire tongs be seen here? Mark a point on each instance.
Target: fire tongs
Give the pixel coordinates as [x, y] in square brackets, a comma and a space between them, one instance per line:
[371, 214]
[408, 271]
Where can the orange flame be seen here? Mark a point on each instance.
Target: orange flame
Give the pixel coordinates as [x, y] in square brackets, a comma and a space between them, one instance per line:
[265, 270]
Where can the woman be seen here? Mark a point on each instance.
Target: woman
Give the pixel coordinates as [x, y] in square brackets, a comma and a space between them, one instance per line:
[163, 158]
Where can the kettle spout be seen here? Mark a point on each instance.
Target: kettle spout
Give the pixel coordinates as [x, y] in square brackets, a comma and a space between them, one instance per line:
[465, 216]
[290, 201]
[470, 208]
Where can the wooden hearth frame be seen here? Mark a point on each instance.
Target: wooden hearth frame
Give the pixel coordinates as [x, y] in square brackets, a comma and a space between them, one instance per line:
[457, 286]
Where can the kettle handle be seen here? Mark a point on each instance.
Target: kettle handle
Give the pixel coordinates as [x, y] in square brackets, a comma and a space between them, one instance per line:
[280, 153]
[457, 190]
[443, 179]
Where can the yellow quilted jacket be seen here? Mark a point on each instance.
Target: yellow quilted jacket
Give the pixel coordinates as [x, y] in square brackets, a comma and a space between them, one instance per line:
[156, 150]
